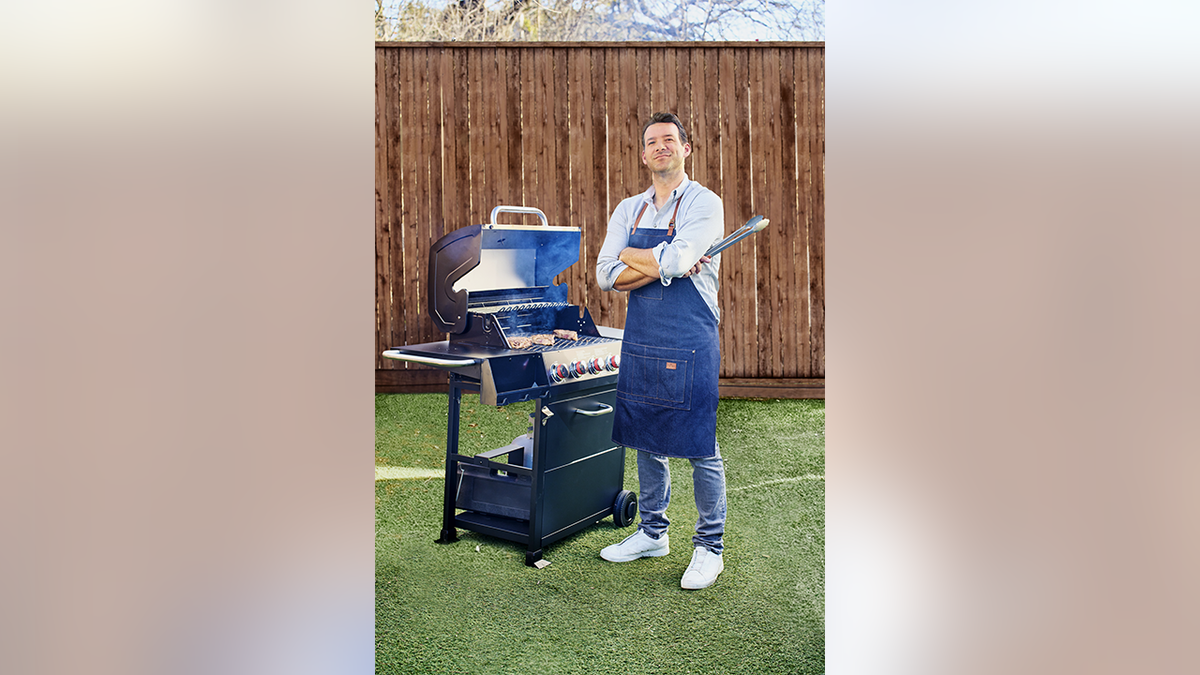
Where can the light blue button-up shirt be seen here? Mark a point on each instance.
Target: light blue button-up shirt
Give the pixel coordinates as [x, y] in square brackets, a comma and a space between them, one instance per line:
[699, 224]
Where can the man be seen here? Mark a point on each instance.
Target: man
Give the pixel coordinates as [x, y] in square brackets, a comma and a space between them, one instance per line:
[670, 355]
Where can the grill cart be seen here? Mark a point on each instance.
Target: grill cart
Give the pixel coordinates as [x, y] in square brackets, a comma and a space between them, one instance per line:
[514, 337]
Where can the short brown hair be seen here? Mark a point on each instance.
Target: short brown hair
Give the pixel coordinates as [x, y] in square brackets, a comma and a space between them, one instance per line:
[659, 118]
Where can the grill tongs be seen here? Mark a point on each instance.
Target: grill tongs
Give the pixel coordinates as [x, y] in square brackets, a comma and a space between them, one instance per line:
[753, 225]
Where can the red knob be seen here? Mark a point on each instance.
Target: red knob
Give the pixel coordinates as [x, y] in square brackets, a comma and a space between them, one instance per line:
[578, 369]
[614, 362]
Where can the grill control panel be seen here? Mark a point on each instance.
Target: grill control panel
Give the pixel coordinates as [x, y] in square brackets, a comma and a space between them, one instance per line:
[585, 362]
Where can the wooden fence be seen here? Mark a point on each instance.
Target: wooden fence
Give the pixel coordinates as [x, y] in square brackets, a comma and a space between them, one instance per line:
[461, 128]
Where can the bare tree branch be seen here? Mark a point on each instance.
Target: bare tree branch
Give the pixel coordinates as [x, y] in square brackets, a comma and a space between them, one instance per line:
[565, 20]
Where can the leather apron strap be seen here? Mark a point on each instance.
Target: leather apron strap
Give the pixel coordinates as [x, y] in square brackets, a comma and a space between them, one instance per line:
[670, 225]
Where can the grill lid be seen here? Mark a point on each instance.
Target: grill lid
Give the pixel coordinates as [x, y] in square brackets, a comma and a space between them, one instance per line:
[492, 266]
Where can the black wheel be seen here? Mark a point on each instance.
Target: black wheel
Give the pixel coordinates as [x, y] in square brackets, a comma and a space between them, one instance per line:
[624, 508]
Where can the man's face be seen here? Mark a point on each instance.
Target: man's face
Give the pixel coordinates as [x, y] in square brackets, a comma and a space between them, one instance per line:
[661, 149]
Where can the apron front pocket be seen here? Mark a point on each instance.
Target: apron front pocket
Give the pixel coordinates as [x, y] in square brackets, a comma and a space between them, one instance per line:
[656, 375]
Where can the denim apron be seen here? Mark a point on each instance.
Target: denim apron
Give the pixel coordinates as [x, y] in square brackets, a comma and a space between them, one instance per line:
[670, 363]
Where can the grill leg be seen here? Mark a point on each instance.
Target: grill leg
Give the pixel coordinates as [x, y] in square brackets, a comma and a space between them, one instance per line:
[449, 534]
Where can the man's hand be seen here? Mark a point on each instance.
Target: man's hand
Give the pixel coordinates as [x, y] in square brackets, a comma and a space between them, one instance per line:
[696, 268]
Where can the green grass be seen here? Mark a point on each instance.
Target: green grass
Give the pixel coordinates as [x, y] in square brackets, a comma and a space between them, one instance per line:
[473, 607]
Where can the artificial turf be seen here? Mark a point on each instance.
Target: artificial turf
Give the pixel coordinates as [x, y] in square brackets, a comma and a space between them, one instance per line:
[474, 607]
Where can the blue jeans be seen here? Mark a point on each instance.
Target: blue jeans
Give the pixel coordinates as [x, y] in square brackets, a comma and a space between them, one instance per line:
[708, 482]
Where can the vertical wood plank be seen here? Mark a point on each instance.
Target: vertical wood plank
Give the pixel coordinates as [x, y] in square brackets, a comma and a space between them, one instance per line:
[403, 173]
[709, 109]
[598, 204]
[654, 77]
[733, 315]
[805, 177]
[691, 61]
[412, 101]
[529, 136]
[816, 59]
[797, 360]
[436, 150]
[746, 293]
[548, 157]
[516, 129]
[383, 304]
[495, 146]
[667, 83]
[579, 82]
[561, 135]
[679, 69]
[612, 302]
[706, 105]
[642, 111]
[432, 216]
[506, 96]
[421, 196]
[629, 144]
[761, 250]
[457, 201]
[772, 203]
[476, 134]
[613, 118]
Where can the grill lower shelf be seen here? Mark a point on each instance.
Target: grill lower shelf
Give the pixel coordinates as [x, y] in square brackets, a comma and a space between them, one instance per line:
[567, 476]
[515, 529]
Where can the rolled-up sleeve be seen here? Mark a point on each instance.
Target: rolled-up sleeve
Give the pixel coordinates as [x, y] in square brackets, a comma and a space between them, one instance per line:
[608, 263]
[702, 223]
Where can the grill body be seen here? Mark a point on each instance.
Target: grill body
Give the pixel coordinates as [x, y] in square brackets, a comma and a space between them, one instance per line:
[487, 285]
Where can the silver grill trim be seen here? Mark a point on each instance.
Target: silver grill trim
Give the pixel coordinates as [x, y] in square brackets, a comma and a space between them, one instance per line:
[502, 310]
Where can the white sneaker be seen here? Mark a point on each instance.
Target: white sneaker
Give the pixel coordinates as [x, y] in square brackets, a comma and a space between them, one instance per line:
[703, 569]
[637, 545]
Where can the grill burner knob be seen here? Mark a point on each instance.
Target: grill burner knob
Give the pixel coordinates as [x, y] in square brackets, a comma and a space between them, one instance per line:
[595, 365]
[578, 369]
[558, 372]
[613, 363]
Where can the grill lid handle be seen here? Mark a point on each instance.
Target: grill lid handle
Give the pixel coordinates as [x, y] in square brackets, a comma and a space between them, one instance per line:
[520, 209]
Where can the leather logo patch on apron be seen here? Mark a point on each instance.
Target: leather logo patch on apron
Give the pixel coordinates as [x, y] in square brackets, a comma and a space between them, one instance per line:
[671, 365]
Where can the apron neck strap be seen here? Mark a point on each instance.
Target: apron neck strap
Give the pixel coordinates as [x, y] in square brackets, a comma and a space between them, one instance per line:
[670, 225]
[639, 217]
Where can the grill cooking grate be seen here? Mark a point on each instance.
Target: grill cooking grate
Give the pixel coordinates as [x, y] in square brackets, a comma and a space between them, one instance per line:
[563, 343]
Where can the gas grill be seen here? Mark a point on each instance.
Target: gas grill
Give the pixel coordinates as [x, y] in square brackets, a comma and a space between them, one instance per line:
[491, 288]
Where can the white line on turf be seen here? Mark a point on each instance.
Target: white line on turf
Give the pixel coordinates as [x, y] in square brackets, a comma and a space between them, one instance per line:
[794, 479]
[403, 472]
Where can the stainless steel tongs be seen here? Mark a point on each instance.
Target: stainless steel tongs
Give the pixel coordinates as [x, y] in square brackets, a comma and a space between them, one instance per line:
[753, 225]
